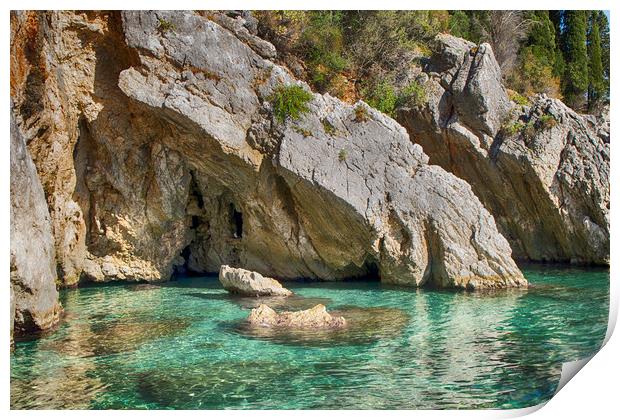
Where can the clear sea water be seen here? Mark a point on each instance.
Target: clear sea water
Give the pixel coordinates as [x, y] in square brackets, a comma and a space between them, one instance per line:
[184, 346]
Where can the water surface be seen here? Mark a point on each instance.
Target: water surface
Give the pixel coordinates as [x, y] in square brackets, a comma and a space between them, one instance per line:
[184, 345]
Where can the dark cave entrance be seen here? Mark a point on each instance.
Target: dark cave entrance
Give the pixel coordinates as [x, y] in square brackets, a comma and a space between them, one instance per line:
[236, 222]
[198, 226]
[372, 270]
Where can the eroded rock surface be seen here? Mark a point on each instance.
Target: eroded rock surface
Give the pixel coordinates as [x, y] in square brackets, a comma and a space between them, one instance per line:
[250, 283]
[34, 298]
[541, 170]
[175, 163]
[314, 318]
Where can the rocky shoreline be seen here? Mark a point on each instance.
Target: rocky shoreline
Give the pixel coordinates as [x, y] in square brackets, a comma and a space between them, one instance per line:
[149, 143]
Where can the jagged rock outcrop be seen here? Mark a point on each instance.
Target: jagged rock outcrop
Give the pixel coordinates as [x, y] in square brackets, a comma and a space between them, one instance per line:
[315, 318]
[541, 170]
[250, 283]
[34, 298]
[177, 163]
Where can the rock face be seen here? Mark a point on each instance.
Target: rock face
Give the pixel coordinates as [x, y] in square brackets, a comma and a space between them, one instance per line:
[34, 299]
[542, 170]
[171, 158]
[250, 283]
[314, 318]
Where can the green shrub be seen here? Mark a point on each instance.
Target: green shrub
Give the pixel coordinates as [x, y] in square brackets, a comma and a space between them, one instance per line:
[361, 113]
[322, 45]
[165, 25]
[547, 122]
[515, 128]
[328, 127]
[511, 126]
[517, 98]
[290, 101]
[413, 95]
[342, 155]
[382, 97]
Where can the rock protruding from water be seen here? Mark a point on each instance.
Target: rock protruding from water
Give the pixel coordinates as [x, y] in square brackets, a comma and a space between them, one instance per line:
[34, 300]
[250, 283]
[316, 317]
[541, 169]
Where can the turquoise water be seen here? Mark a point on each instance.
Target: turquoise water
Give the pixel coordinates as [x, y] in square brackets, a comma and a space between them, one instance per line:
[184, 345]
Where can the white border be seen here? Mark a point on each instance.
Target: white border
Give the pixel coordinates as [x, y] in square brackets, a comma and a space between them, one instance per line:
[594, 393]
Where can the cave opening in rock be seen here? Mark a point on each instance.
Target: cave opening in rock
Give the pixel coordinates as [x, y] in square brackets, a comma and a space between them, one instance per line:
[236, 222]
[371, 270]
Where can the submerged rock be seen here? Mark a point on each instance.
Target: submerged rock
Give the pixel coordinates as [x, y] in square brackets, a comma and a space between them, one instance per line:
[170, 157]
[250, 283]
[313, 318]
[34, 298]
[363, 325]
[541, 170]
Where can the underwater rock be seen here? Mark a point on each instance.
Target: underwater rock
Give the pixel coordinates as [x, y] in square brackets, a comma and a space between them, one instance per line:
[313, 318]
[363, 325]
[250, 283]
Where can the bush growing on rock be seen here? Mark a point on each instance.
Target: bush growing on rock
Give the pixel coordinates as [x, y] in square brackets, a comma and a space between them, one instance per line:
[361, 113]
[413, 95]
[381, 96]
[547, 122]
[165, 25]
[517, 98]
[328, 127]
[290, 101]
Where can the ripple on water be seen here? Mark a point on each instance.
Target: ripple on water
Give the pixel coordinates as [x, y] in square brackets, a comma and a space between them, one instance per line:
[184, 345]
[111, 337]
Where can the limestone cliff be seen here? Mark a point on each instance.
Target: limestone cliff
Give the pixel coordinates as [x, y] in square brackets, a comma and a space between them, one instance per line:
[154, 137]
[541, 170]
[34, 299]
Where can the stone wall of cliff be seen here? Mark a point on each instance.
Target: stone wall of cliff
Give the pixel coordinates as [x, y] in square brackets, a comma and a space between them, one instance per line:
[541, 170]
[34, 299]
[158, 151]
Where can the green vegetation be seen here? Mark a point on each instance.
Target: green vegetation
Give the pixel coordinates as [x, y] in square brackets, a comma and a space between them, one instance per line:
[596, 85]
[381, 96]
[342, 155]
[365, 54]
[576, 57]
[412, 95]
[165, 25]
[534, 72]
[511, 127]
[384, 97]
[328, 127]
[361, 113]
[517, 98]
[547, 122]
[290, 101]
